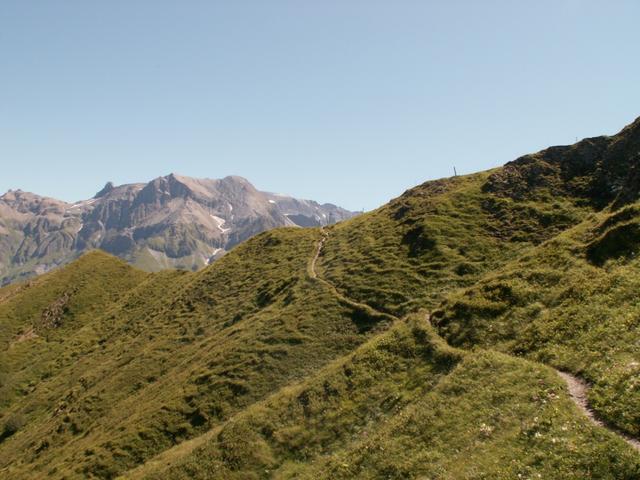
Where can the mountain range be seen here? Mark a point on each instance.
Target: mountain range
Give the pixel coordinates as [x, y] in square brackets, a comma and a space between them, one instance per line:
[170, 222]
[482, 326]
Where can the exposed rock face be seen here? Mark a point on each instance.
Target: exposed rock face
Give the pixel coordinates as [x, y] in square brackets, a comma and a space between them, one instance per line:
[172, 221]
[52, 315]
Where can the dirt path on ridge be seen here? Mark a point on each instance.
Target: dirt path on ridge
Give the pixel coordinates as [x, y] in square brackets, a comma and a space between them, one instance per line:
[578, 388]
[355, 304]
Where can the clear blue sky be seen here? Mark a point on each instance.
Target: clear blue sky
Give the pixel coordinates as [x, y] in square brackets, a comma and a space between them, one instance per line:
[348, 101]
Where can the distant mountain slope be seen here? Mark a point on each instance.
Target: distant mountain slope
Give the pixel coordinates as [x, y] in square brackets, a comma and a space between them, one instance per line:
[172, 221]
[415, 341]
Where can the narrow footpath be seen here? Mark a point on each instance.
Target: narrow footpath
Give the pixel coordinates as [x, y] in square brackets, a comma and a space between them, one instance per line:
[578, 388]
[358, 305]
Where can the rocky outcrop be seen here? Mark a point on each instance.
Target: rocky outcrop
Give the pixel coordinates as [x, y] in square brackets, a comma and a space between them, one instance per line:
[597, 170]
[52, 316]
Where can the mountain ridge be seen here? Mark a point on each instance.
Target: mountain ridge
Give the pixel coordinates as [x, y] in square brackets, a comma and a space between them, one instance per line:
[171, 221]
[419, 340]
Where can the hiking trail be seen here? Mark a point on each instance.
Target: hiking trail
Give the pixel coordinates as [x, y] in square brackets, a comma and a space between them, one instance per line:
[578, 388]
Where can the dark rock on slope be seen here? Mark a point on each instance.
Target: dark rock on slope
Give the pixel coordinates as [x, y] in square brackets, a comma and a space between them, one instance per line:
[597, 170]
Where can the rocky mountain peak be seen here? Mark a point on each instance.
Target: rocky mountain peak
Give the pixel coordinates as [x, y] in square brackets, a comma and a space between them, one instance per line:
[171, 221]
[108, 188]
[27, 202]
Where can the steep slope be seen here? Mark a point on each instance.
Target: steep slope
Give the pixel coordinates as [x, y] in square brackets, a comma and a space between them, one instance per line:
[177, 355]
[446, 233]
[405, 405]
[436, 237]
[172, 221]
[310, 353]
[402, 406]
[570, 303]
[33, 227]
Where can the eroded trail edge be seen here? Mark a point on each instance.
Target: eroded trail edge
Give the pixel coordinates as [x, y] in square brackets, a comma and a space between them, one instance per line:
[578, 390]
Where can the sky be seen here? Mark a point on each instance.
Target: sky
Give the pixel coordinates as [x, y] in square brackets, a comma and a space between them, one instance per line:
[343, 101]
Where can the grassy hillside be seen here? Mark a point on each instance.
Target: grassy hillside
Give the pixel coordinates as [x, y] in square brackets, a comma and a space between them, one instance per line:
[491, 418]
[406, 405]
[571, 303]
[173, 357]
[437, 237]
[415, 341]
[37, 317]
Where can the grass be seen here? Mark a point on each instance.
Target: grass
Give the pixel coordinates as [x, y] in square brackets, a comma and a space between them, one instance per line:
[406, 405]
[491, 417]
[254, 368]
[91, 284]
[174, 356]
[557, 306]
[435, 238]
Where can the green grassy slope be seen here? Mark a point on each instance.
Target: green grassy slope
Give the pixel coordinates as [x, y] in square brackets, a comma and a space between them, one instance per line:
[37, 317]
[491, 418]
[255, 368]
[406, 405]
[175, 356]
[571, 302]
[437, 237]
[567, 306]
[445, 234]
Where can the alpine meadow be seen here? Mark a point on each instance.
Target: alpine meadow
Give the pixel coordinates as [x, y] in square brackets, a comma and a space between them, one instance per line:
[481, 326]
